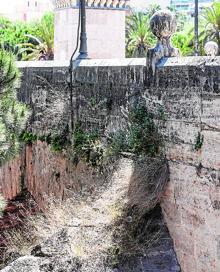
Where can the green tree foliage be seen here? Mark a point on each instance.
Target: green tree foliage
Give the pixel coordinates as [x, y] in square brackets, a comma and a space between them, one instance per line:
[211, 30]
[152, 9]
[14, 33]
[28, 41]
[40, 45]
[138, 35]
[184, 40]
[13, 115]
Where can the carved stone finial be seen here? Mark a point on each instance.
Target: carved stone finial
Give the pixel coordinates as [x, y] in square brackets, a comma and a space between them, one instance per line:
[211, 49]
[163, 25]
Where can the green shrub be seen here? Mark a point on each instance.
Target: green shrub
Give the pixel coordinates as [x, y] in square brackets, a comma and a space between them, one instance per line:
[13, 33]
[142, 135]
[118, 143]
[28, 40]
[88, 146]
[13, 115]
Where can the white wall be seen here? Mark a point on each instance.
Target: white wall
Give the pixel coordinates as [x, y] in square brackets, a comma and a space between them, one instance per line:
[25, 10]
[105, 30]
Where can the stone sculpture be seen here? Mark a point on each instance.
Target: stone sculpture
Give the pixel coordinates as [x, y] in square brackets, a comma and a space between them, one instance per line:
[163, 25]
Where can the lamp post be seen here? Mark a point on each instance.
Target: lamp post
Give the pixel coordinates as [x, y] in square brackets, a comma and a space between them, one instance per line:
[83, 54]
[196, 27]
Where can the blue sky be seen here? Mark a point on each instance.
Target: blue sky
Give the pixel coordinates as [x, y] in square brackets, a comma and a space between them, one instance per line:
[145, 3]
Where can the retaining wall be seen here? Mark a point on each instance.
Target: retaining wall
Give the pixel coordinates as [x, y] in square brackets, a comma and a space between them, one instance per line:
[188, 89]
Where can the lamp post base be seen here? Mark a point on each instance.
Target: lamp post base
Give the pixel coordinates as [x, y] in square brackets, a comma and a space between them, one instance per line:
[82, 56]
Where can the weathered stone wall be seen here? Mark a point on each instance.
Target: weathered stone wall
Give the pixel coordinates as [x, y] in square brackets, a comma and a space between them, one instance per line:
[11, 178]
[188, 90]
[44, 88]
[190, 94]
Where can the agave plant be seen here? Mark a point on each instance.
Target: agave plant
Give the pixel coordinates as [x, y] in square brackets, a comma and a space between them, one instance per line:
[138, 35]
[211, 17]
[41, 45]
[36, 49]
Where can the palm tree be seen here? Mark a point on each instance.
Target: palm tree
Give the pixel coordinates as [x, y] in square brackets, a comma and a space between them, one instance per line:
[138, 35]
[211, 17]
[184, 41]
[152, 9]
[41, 46]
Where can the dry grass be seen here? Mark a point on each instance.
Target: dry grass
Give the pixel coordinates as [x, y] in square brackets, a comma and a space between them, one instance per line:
[116, 224]
[147, 184]
[137, 228]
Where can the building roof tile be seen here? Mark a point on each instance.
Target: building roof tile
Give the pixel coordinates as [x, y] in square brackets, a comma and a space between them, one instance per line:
[106, 4]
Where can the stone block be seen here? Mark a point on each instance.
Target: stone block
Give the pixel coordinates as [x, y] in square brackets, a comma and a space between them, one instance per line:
[184, 153]
[171, 213]
[182, 104]
[207, 180]
[211, 112]
[212, 222]
[189, 263]
[201, 202]
[192, 218]
[206, 261]
[211, 145]
[211, 84]
[185, 241]
[181, 132]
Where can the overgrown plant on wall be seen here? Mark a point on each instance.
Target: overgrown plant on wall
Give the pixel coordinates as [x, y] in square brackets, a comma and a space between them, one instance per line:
[142, 137]
[13, 115]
